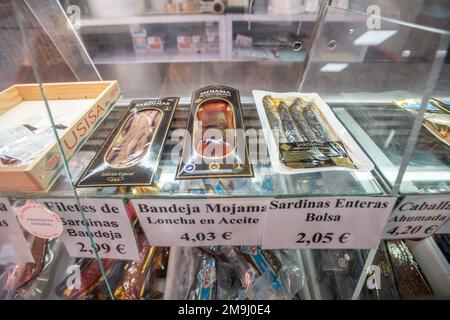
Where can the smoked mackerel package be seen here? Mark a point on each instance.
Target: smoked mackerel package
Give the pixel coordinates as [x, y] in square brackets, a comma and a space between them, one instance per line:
[304, 135]
[214, 144]
[131, 153]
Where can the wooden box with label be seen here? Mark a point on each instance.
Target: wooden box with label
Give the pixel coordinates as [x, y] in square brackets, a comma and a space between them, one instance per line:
[30, 159]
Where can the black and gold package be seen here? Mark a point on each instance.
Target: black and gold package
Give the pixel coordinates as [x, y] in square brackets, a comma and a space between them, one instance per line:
[214, 144]
[130, 155]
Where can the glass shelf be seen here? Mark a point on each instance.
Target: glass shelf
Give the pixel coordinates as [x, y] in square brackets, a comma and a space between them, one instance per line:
[358, 70]
[383, 130]
[266, 182]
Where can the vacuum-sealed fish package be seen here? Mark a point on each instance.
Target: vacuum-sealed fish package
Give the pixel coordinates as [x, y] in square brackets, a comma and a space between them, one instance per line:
[214, 144]
[131, 153]
[304, 135]
[436, 118]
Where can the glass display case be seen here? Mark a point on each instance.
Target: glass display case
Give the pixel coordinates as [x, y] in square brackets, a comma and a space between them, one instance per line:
[98, 103]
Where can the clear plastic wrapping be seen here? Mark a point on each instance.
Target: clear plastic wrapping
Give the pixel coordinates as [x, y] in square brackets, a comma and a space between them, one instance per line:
[26, 145]
[234, 273]
[131, 153]
[15, 277]
[214, 144]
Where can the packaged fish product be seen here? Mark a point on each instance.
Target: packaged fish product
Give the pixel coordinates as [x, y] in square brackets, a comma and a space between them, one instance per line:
[39, 286]
[412, 284]
[290, 129]
[14, 134]
[114, 275]
[130, 155]
[214, 145]
[265, 261]
[304, 135]
[135, 273]
[90, 278]
[204, 286]
[232, 273]
[23, 151]
[300, 121]
[274, 118]
[437, 115]
[17, 276]
[244, 268]
[228, 284]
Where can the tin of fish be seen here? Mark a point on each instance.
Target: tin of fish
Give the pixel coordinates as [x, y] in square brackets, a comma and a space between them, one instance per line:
[215, 144]
[130, 155]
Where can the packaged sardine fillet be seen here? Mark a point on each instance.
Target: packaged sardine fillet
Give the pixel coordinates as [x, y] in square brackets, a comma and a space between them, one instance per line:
[215, 145]
[303, 134]
[437, 115]
[130, 155]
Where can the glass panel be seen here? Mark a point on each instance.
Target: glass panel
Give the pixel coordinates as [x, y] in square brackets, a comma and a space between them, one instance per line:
[428, 169]
[301, 274]
[362, 67]
[177, 52]
[34, 117]
[431, 13]
[362, 72]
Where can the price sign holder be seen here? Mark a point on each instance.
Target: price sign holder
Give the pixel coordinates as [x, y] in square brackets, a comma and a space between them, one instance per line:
[108, 223]
[202, 222]
[417, 216]
[13, 245]
[347, 222]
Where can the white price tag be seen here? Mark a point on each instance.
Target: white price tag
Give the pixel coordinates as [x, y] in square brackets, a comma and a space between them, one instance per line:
[326, 222]
[417, 217]
[108, 223]
[202, 222]
[13, 245]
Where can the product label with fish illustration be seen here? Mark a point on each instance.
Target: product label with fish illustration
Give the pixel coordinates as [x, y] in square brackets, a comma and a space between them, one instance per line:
[13, 246]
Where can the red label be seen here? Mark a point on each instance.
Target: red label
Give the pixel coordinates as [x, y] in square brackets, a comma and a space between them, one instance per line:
[73, 138]
[52, 162]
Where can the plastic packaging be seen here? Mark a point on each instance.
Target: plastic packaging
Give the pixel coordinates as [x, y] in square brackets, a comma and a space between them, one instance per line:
[135, 273]
[26, 147]
[232, 273]
[303, 134]
[214, 144]
[130, 155]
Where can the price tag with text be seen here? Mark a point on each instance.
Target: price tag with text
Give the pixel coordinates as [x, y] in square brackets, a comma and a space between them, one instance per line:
[202, 222]
[13, 246]
[417, 217]
[107, 221]
[326, 222]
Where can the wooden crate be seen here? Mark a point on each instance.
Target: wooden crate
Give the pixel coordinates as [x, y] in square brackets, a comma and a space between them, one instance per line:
[90, 102]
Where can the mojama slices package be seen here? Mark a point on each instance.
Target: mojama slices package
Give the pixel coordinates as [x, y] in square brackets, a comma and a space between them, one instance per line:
[131, 153]
[214, 144]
